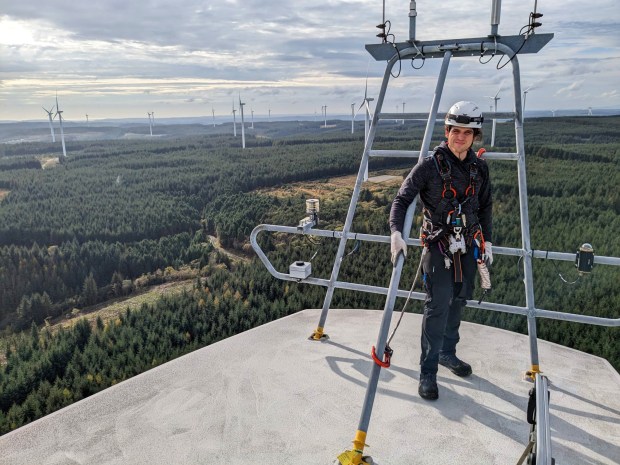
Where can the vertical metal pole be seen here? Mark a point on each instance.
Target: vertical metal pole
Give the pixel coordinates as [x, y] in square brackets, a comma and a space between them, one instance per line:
[543, 432]
[496, 9]
[354, 197]
[412, 17]
[528, 278]
[371, 390]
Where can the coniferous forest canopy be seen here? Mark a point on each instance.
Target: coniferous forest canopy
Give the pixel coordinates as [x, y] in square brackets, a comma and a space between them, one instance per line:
[117, 217]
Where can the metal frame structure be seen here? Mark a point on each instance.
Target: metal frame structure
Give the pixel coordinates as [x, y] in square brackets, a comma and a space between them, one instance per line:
[506, 46]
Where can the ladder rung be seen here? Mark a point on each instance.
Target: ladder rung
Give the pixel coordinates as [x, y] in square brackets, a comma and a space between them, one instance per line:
[424, 116]
[416, 154]
[499, 115]
[500, 156]
[395, 153]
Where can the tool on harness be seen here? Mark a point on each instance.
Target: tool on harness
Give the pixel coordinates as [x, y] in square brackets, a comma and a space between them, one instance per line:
[483, 270]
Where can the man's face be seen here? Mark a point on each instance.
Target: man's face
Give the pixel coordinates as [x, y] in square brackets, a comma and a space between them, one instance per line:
[459, 139]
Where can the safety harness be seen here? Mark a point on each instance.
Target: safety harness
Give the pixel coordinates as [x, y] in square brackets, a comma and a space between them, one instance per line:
[454, 224]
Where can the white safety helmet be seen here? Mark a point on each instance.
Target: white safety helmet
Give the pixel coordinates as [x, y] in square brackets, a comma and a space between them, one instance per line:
[464, 114]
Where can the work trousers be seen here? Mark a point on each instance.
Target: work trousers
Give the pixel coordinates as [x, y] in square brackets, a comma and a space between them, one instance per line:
[444, 304]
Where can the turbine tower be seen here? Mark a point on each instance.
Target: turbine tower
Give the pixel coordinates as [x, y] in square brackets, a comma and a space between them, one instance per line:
[150, 123]
[270, 115]
[62, 133]
[213, 113]
[367, 118]
[403, 112]
[325, 115]
[524, 97]
[252, 118]
[86, 118]
[589, 111]
[50, 117]
[234, 112]
[495, 98]
[352, 118]
[242, 123]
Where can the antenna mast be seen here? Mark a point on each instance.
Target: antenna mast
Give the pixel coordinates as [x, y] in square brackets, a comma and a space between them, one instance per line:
[496, 10]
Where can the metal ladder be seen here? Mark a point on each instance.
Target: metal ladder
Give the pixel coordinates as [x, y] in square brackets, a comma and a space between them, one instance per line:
[445, 50]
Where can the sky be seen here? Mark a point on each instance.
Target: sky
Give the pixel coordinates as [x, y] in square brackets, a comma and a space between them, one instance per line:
[122, 59]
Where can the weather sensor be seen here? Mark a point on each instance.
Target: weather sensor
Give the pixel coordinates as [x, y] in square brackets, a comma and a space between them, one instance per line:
[312, 210]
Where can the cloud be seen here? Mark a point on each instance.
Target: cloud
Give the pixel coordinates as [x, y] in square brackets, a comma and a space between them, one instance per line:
[135, 54]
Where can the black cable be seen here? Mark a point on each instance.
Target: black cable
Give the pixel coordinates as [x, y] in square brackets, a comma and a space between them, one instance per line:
[529, 28]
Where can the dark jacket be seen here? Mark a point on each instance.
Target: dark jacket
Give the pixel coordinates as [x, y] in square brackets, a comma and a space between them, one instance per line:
[424, 179]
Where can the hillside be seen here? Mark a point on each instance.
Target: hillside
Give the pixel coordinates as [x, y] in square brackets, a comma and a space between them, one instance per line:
[115, 215]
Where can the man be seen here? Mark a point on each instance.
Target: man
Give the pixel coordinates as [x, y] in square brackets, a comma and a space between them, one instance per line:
[455, 191]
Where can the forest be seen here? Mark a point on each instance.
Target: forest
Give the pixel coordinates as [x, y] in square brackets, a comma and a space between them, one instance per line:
[111, 217]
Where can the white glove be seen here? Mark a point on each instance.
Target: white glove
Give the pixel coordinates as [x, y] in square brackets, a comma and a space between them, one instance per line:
[488, 253]
[397, 244]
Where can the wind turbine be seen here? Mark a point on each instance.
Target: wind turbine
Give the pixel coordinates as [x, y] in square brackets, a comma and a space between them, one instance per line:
[213, 112]
[495, 98]
[403, 112]
[524, 97]
[553, 112]
[352, 118]
[86, 118]
[589, 111]
[252, 118]
[150, 123]
[234, 112]
[50, 117]
[270, 115]
[325, 115]
[242, 123]
[62, 133]
[367, 118]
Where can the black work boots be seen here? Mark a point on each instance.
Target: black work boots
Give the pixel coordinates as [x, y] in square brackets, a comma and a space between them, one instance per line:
[455, 365]
[428, 386]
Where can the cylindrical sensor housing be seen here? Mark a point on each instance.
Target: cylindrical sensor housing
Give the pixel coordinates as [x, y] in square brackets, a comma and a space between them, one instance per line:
[312, 206]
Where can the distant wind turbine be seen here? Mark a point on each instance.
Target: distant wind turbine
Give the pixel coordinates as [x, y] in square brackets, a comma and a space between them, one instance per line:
[150, 123]
[213, 112]
[270, 115]
[50, 117]
[252, 118]
[234, 112]
[553, 112]
[62, 133]
[242, 123]
[495, 98]
[403, 112]
[353, 118]
[86, 118]
[325, 115]
[589, 111]
[524, 97]
[367, 118]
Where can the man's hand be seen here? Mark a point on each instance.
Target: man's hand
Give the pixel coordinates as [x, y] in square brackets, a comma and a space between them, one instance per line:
[397, 244]
[488, 253]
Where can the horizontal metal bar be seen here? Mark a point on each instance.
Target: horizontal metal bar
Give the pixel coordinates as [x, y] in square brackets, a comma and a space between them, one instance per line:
[424, 116]
[408, 116]
[460, 47]
[541, 313]
[500, 156]
[395, 153]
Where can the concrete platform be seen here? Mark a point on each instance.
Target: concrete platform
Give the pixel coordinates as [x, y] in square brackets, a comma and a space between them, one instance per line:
[269, 396]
